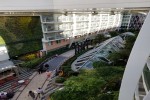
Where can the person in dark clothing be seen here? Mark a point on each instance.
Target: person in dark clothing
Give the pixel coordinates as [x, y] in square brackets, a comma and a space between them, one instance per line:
[40, 69]
[10, 94]
[31, 93]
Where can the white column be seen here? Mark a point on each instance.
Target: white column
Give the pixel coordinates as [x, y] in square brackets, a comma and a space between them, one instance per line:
[89, 26]
[120, 16]
[74, 25]
[99, 23]
[44, 34]
[44, 46]
[41, 18]
[136, 62]
[129, 21]
[107, 22]
[74, 30]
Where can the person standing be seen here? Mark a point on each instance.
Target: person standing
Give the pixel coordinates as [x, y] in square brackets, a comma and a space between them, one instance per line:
[31, 93]
[40, 69]
[48, 73]
[39, 91]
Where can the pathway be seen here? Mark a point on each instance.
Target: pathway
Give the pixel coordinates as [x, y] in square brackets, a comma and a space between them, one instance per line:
[39, 80]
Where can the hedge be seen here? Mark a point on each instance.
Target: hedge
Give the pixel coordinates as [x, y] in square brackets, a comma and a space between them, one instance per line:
[60, 80]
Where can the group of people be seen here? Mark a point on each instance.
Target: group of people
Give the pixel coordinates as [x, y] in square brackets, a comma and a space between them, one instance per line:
[39, 92]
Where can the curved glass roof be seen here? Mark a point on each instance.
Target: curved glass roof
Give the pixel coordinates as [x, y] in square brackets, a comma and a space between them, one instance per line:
[99, 53]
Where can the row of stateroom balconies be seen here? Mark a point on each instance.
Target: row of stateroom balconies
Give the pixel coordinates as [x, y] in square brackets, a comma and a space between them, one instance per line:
[78, 18]
[67, 34]
[80, 26]
[66, 27]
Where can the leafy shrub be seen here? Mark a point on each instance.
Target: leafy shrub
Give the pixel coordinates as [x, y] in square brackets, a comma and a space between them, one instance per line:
[113, 33]
[60, 80]
[28, 57]
[33, 63]
[105, 96]
[98, 64]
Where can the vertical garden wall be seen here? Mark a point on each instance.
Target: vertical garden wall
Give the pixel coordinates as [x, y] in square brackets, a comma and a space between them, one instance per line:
[21, 34]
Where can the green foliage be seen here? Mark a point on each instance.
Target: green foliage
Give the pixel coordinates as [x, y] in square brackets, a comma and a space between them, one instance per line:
[32, 63]
[120, 58]
[116, 95]
[113, 33]
[23, 48]
[2, 42]
[99, 38]
[66, 67]
[105, 96]
[85, 85]
[20, 34]
[92, 85]
[98, 64]
[60, 79]
[109, 72]
[28, 57]
[130, 42]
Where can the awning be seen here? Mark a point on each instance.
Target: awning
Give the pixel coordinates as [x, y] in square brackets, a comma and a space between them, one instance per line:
[6, 65]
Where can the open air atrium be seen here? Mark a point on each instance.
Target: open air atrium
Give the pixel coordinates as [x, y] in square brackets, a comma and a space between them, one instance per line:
[74, 50]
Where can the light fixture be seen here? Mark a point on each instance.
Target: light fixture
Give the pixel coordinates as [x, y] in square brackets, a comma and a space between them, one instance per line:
[112, 13]
[66, 13]
[94, 11]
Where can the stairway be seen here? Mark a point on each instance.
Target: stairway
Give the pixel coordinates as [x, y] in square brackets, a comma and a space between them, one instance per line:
[51, 87]
[24, 73]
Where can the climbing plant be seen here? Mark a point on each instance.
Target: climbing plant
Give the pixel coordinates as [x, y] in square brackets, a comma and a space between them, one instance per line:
[21, 34]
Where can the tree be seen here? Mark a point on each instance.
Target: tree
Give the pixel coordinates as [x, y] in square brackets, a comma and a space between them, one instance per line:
[91, 85]
[113, 33]
[86, 85]
[99, 38]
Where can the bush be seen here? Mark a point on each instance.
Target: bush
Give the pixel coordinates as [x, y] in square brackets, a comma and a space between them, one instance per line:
[98, 64]
[33, 63]
[105, 96]
[28, 57]
[60, 80]
[113, 33]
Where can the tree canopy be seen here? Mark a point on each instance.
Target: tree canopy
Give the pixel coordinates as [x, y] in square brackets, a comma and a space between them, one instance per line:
[91, 85]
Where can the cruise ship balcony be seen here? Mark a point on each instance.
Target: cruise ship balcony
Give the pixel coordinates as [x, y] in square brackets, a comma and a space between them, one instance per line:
[50, 20]
[54, 38]
[53, 31]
